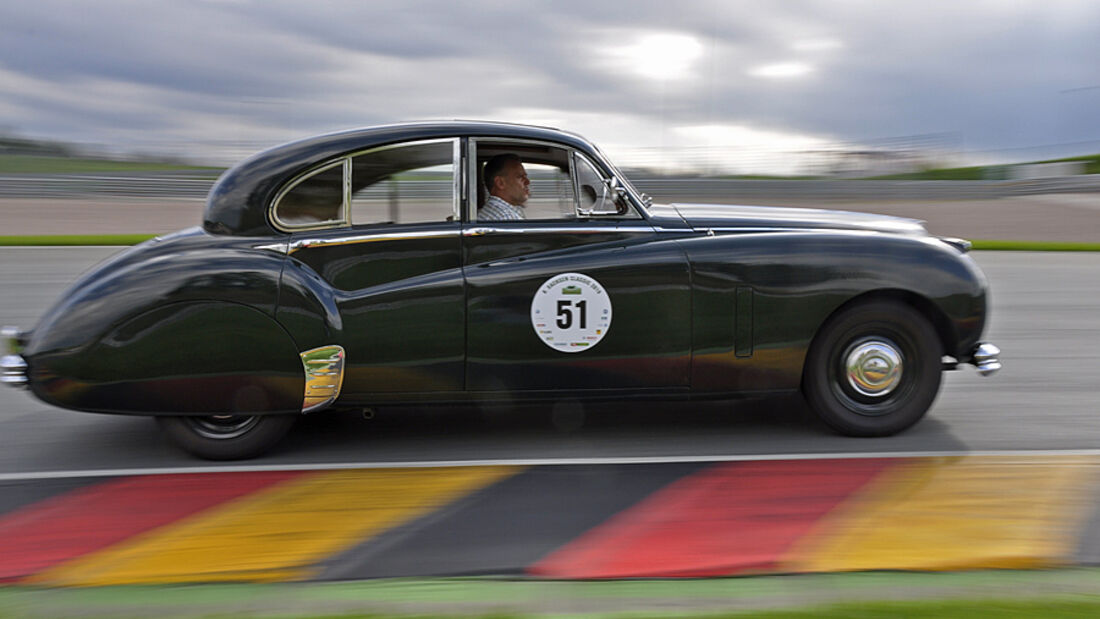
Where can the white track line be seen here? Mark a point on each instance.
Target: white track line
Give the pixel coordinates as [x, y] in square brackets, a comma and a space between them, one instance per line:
[338, 466]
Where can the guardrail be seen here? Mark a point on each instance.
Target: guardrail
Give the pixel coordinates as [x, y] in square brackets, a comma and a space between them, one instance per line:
[151, 184]
[197, 185]
[839, 190]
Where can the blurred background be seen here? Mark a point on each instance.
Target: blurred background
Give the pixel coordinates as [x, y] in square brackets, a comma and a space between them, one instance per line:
[797, 103]
[812, 88]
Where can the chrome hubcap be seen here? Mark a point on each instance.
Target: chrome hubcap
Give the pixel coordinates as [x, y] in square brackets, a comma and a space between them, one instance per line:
[873, 367]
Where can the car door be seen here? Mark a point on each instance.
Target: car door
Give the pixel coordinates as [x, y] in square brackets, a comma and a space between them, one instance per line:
[395, 272]
[580, 302]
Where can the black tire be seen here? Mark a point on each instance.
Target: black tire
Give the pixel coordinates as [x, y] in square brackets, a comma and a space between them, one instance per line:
[226, 437]
[872, 400]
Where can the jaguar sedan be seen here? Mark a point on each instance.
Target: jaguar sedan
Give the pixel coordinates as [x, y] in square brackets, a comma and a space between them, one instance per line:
[458, 262]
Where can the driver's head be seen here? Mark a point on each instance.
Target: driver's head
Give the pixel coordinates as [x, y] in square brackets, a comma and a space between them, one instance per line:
[506, 178]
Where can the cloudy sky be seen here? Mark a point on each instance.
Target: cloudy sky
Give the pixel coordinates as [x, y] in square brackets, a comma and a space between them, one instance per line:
[727, 83]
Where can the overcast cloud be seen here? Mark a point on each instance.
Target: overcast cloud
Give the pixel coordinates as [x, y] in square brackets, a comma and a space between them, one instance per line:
[737, 81]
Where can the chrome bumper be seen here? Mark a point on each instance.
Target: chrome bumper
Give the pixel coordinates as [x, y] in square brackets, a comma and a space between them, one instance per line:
[13, 369]
[986, 358]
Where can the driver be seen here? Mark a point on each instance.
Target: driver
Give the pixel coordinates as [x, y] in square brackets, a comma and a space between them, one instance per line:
[508, 187]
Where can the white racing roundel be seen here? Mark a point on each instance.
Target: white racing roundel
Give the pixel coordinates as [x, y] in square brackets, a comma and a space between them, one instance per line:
[571, 312]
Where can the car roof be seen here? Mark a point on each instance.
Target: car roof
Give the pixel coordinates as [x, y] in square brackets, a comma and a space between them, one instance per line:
[238, 201]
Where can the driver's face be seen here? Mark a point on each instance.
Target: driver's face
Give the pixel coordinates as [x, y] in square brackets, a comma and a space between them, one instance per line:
[513, 184]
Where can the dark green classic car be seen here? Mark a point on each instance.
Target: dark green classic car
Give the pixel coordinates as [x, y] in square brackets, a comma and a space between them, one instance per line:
[351, 270]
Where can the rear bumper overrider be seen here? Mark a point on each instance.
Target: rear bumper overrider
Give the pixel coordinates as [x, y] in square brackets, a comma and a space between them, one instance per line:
[13, 368]
[985, 357]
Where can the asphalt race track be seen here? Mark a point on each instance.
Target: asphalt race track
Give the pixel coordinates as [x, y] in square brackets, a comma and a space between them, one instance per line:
[1004, 473]
[1043, 317]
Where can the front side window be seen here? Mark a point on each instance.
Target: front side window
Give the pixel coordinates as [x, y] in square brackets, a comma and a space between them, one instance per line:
[551, 193]
[563, 184]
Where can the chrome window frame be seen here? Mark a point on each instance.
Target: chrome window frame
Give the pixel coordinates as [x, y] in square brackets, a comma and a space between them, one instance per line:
[346, 161]
[571, 152]
[303, 177]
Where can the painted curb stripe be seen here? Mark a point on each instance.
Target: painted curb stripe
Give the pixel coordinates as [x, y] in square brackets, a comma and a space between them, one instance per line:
[66, 526]
[957, 513]
[279, 534]
[727, 519]
[505, 527]
[15, 495]
[1088, 542]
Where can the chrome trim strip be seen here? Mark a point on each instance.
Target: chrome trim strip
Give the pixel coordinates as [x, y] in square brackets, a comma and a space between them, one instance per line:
[484, 230]
[753, 229]
[279, 248]
[456, 177]
[962, 245]
[347, 191]
[470, 173]
[742, 229]
[573, 154]
[369, 238]
[319, 364]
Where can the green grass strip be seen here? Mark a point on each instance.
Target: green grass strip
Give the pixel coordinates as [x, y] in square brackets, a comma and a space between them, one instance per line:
[73, 239]
[945, 609]
[1035, 246]
[44, 164]
[1051, 593]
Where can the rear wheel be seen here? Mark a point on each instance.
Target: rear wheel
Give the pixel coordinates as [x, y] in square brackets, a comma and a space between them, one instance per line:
[226, 437]
[874, 369]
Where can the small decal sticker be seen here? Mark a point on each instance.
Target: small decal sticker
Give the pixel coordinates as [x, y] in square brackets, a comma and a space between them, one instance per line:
[571, 312]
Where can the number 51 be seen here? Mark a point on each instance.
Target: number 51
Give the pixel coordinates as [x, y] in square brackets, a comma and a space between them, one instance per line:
[565, 313]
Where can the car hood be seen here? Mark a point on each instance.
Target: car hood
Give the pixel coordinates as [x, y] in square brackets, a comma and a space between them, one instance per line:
[721, 216]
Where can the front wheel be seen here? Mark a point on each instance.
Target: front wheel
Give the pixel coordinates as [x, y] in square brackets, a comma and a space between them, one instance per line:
[226, 437]
[874, 369]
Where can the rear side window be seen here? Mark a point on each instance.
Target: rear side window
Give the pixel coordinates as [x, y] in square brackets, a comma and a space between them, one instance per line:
[315, 200]
[412, 183]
